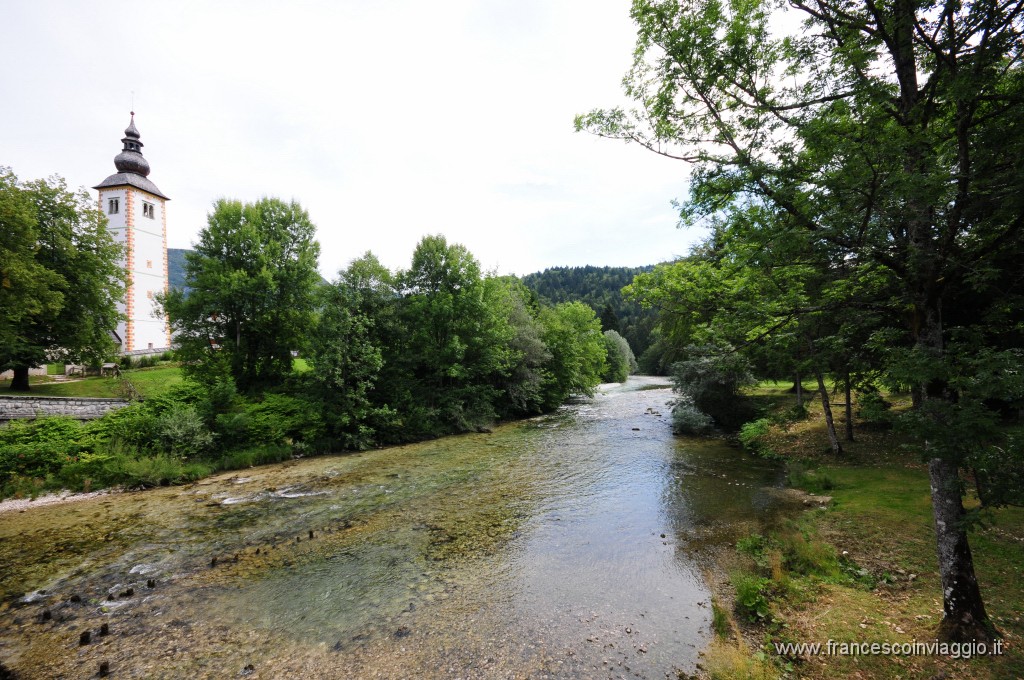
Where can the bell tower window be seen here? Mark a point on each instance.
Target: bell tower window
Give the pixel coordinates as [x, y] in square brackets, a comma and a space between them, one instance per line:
[113, 206]
[148, 210]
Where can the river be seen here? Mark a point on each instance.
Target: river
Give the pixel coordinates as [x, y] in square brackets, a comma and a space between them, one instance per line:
[569, 545]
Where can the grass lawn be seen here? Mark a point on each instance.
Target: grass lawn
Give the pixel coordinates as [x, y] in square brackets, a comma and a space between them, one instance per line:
[150, 382]
[880, 521]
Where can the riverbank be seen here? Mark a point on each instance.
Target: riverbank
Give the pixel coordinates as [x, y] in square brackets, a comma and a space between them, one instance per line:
[445, 558]
[861, 570]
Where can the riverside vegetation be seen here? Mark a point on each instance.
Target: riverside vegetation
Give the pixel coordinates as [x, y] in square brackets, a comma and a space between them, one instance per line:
[858, 565]
[391, 357]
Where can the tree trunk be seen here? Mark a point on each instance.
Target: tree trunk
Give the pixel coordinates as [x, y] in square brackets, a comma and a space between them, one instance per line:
[833, 439]
[19, 383]
[964, 618]
[799, 387]
[849, 409]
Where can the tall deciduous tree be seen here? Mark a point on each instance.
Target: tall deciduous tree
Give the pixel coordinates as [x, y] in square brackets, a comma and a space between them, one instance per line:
[892, 134]
[572, 333]
[251, 299]
[346, 351]
[60, 277]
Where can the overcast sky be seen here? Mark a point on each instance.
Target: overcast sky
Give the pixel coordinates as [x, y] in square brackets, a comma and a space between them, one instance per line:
[386, 119]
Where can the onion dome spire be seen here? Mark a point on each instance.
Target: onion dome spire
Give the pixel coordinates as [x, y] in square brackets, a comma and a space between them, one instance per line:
[130, 159]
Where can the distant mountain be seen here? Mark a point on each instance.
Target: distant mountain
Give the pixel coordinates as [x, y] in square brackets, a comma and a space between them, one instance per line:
[176, 267]
[601, 288]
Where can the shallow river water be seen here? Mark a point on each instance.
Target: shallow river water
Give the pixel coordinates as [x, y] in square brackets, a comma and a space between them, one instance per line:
[568, 545]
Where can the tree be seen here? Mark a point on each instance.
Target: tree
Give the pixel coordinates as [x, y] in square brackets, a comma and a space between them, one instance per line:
[455, 346]
[251, 302]
[619, 359]
[890, 134]
[346, 353]
[60, 277]
[573, 335]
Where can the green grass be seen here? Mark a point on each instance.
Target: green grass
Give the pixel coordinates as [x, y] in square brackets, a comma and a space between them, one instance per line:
[150, 382]
[885, 585]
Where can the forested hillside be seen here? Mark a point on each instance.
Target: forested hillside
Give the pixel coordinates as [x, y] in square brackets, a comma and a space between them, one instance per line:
[176, 267]
[601, 288]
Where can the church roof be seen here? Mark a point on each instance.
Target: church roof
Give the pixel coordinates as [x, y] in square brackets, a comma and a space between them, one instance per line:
[132, 167]
[120, 179]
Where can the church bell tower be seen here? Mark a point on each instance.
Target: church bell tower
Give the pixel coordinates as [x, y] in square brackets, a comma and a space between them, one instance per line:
[136, 212]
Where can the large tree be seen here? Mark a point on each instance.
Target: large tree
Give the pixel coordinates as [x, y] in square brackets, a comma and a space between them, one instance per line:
[251, 293]
[890, 133]
[60, 277]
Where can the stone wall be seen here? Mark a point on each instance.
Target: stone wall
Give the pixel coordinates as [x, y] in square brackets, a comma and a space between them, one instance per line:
[81, 408]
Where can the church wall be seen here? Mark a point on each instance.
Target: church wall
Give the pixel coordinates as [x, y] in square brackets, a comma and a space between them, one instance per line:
[148, 257]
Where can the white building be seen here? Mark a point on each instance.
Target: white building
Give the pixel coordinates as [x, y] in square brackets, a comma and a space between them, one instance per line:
[136, 210]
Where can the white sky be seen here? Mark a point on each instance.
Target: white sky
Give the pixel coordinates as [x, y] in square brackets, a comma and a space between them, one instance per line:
[386, 119]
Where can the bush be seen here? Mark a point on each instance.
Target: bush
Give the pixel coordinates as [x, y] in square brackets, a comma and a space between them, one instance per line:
[751, 596]
[182, 432]
[874, 410]
[712, 378]
[249, 457]
[37, 448]
[135, 425]
[754, 438]
[154, 470]
[688, 419]
[281, 418]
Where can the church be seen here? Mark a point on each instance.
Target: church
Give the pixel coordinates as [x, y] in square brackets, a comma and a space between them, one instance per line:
[136, 211]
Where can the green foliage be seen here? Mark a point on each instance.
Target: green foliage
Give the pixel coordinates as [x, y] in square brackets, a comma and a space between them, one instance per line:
[153, 470]
[688, 419]
[573, 335]
[251, 299]
[280, 418]
[37, 448]
[601, 289]
[720, 620]
[753, 437]
[182, 433]
[619, 359]
[712, 377]
[815, 481]
[752, 596]
[60, 277]
[873, 409]
[454, 347]
[346, 351]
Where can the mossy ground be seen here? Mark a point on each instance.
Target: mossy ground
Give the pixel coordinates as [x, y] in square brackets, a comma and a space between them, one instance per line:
[879, 526]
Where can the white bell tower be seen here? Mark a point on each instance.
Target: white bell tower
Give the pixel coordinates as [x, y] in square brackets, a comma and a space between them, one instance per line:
[136, 211]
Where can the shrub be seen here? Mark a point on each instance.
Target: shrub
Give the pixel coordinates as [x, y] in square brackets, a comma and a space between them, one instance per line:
[37, 448]
[712, 378]
[182, 432]
[155, 470]
[281, 417]
[874, 410]
[688, 419]
[754, 437]
[751, 596]
[249, 457]
[135, 425]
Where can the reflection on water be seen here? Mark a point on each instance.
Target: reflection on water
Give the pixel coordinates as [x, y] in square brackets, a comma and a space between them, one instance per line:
[566, 545]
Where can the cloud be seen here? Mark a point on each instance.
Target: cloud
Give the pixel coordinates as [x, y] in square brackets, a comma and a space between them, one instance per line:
[387, 121]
